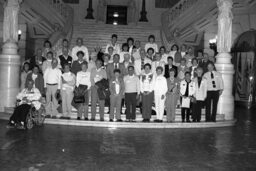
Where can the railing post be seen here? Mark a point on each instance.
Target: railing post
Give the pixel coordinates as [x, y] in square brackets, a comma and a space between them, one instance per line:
[89, 11]
[143, 13]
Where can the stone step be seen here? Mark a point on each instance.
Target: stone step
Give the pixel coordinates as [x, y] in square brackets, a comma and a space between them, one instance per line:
[99, 34]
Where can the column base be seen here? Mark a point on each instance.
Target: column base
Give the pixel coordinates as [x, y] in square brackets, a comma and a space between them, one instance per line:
[9, 75]
[226, 100]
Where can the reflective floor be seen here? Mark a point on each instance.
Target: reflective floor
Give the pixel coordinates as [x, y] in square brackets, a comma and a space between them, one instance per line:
[83, 148]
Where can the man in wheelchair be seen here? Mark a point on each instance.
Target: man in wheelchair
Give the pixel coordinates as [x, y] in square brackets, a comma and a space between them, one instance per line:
[29, 109]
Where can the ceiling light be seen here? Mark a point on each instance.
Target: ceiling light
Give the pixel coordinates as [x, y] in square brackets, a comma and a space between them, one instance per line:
[115, 14]
[115, 23]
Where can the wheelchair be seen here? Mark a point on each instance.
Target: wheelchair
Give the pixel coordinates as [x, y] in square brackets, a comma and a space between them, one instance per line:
[35, 117]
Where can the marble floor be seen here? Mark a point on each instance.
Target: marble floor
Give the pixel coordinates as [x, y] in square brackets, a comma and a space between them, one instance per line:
[73, 148]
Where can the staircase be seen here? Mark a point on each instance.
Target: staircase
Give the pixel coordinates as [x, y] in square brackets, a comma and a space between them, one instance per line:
[98, 35]
[188, 18]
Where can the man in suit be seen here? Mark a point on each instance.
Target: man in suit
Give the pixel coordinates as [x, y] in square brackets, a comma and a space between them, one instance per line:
[115, 65]
[170, 66]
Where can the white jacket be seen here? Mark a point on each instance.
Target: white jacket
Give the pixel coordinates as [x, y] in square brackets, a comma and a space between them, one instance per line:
[191, 88]
[160, 85]
[200, 92]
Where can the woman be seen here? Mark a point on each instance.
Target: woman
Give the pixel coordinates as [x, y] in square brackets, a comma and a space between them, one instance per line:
[189, 56]
[116, 86]
[68, 84]
[24, 74]
[175, 54]
[125, 50]
[38, 79]
[47, 48]
[157, 63]
[146, 89]
[160, 89]
[151, 44]
[27, 97]
[83, 84]
[163, 54]
[150, 53]
[172, 95]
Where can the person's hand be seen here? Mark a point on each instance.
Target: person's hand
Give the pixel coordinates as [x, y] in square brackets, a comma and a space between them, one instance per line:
[138, 96]
[220, 92]
[162, 97]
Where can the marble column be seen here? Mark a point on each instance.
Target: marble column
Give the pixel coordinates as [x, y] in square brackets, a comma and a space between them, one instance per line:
[143, 13]
[223, 59]
[89, 11]
[9, 59]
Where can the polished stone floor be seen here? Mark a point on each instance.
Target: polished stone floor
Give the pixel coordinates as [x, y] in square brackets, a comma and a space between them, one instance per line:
[69, 148]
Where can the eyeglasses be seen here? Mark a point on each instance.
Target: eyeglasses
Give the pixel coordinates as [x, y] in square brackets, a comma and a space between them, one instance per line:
[213, 82]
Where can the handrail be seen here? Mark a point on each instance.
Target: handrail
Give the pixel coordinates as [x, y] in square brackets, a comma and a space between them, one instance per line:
[66, 30]
[171, 14]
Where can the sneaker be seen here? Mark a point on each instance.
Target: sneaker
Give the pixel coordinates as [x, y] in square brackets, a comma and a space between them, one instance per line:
[119, 120]
[86, 119]
[78, 118]
[110, 120]
[156, 120]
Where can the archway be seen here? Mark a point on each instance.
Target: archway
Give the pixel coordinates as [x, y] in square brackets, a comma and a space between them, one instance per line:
[244, 52]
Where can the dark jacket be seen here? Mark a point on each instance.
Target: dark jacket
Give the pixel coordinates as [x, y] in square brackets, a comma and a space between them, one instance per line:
[64, 61]
[39, 82]
[167, 73]
[76, 67]
[103, 89]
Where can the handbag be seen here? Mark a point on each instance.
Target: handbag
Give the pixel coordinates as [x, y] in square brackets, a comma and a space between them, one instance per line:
[79, 93]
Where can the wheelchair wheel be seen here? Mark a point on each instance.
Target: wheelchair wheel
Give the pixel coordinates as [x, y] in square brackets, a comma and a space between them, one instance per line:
[29, 121]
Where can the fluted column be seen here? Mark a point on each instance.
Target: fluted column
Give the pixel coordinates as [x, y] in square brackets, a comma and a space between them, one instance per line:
[89, 11]
[9, 59]
[143, 13]
[223, 62]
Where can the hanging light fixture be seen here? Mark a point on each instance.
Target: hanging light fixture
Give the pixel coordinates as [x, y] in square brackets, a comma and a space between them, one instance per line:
[116, 14]
[115, 23]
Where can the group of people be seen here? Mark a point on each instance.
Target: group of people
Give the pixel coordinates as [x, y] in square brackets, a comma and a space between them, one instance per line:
[127, 75]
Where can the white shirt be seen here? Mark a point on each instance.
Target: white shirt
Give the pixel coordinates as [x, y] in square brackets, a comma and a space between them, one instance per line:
[160, 85]
[46, 64]
[116, 48]
[52, 76]
[80, 48]
[165, 58]
[83, 78]
[147, 82]
[70, 79]
[156, 64]
[122, 56]
[217, 78]
[137, 66]
[151, 45]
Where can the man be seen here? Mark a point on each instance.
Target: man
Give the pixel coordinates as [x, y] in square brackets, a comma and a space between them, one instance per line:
[115, 65]
[52, 85]
[48, 62]
[92, 63]
[97, 74]
[76, 66]
[116, 47]
[136, 50]
[38, 59]
[80, 47]
[169, 66]
[132, 91]
[204, 62]
[126, 64]
[139, 64]
[64, 59]
[200, 56]
[215, 88]
[200, 94]
[65, 45]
